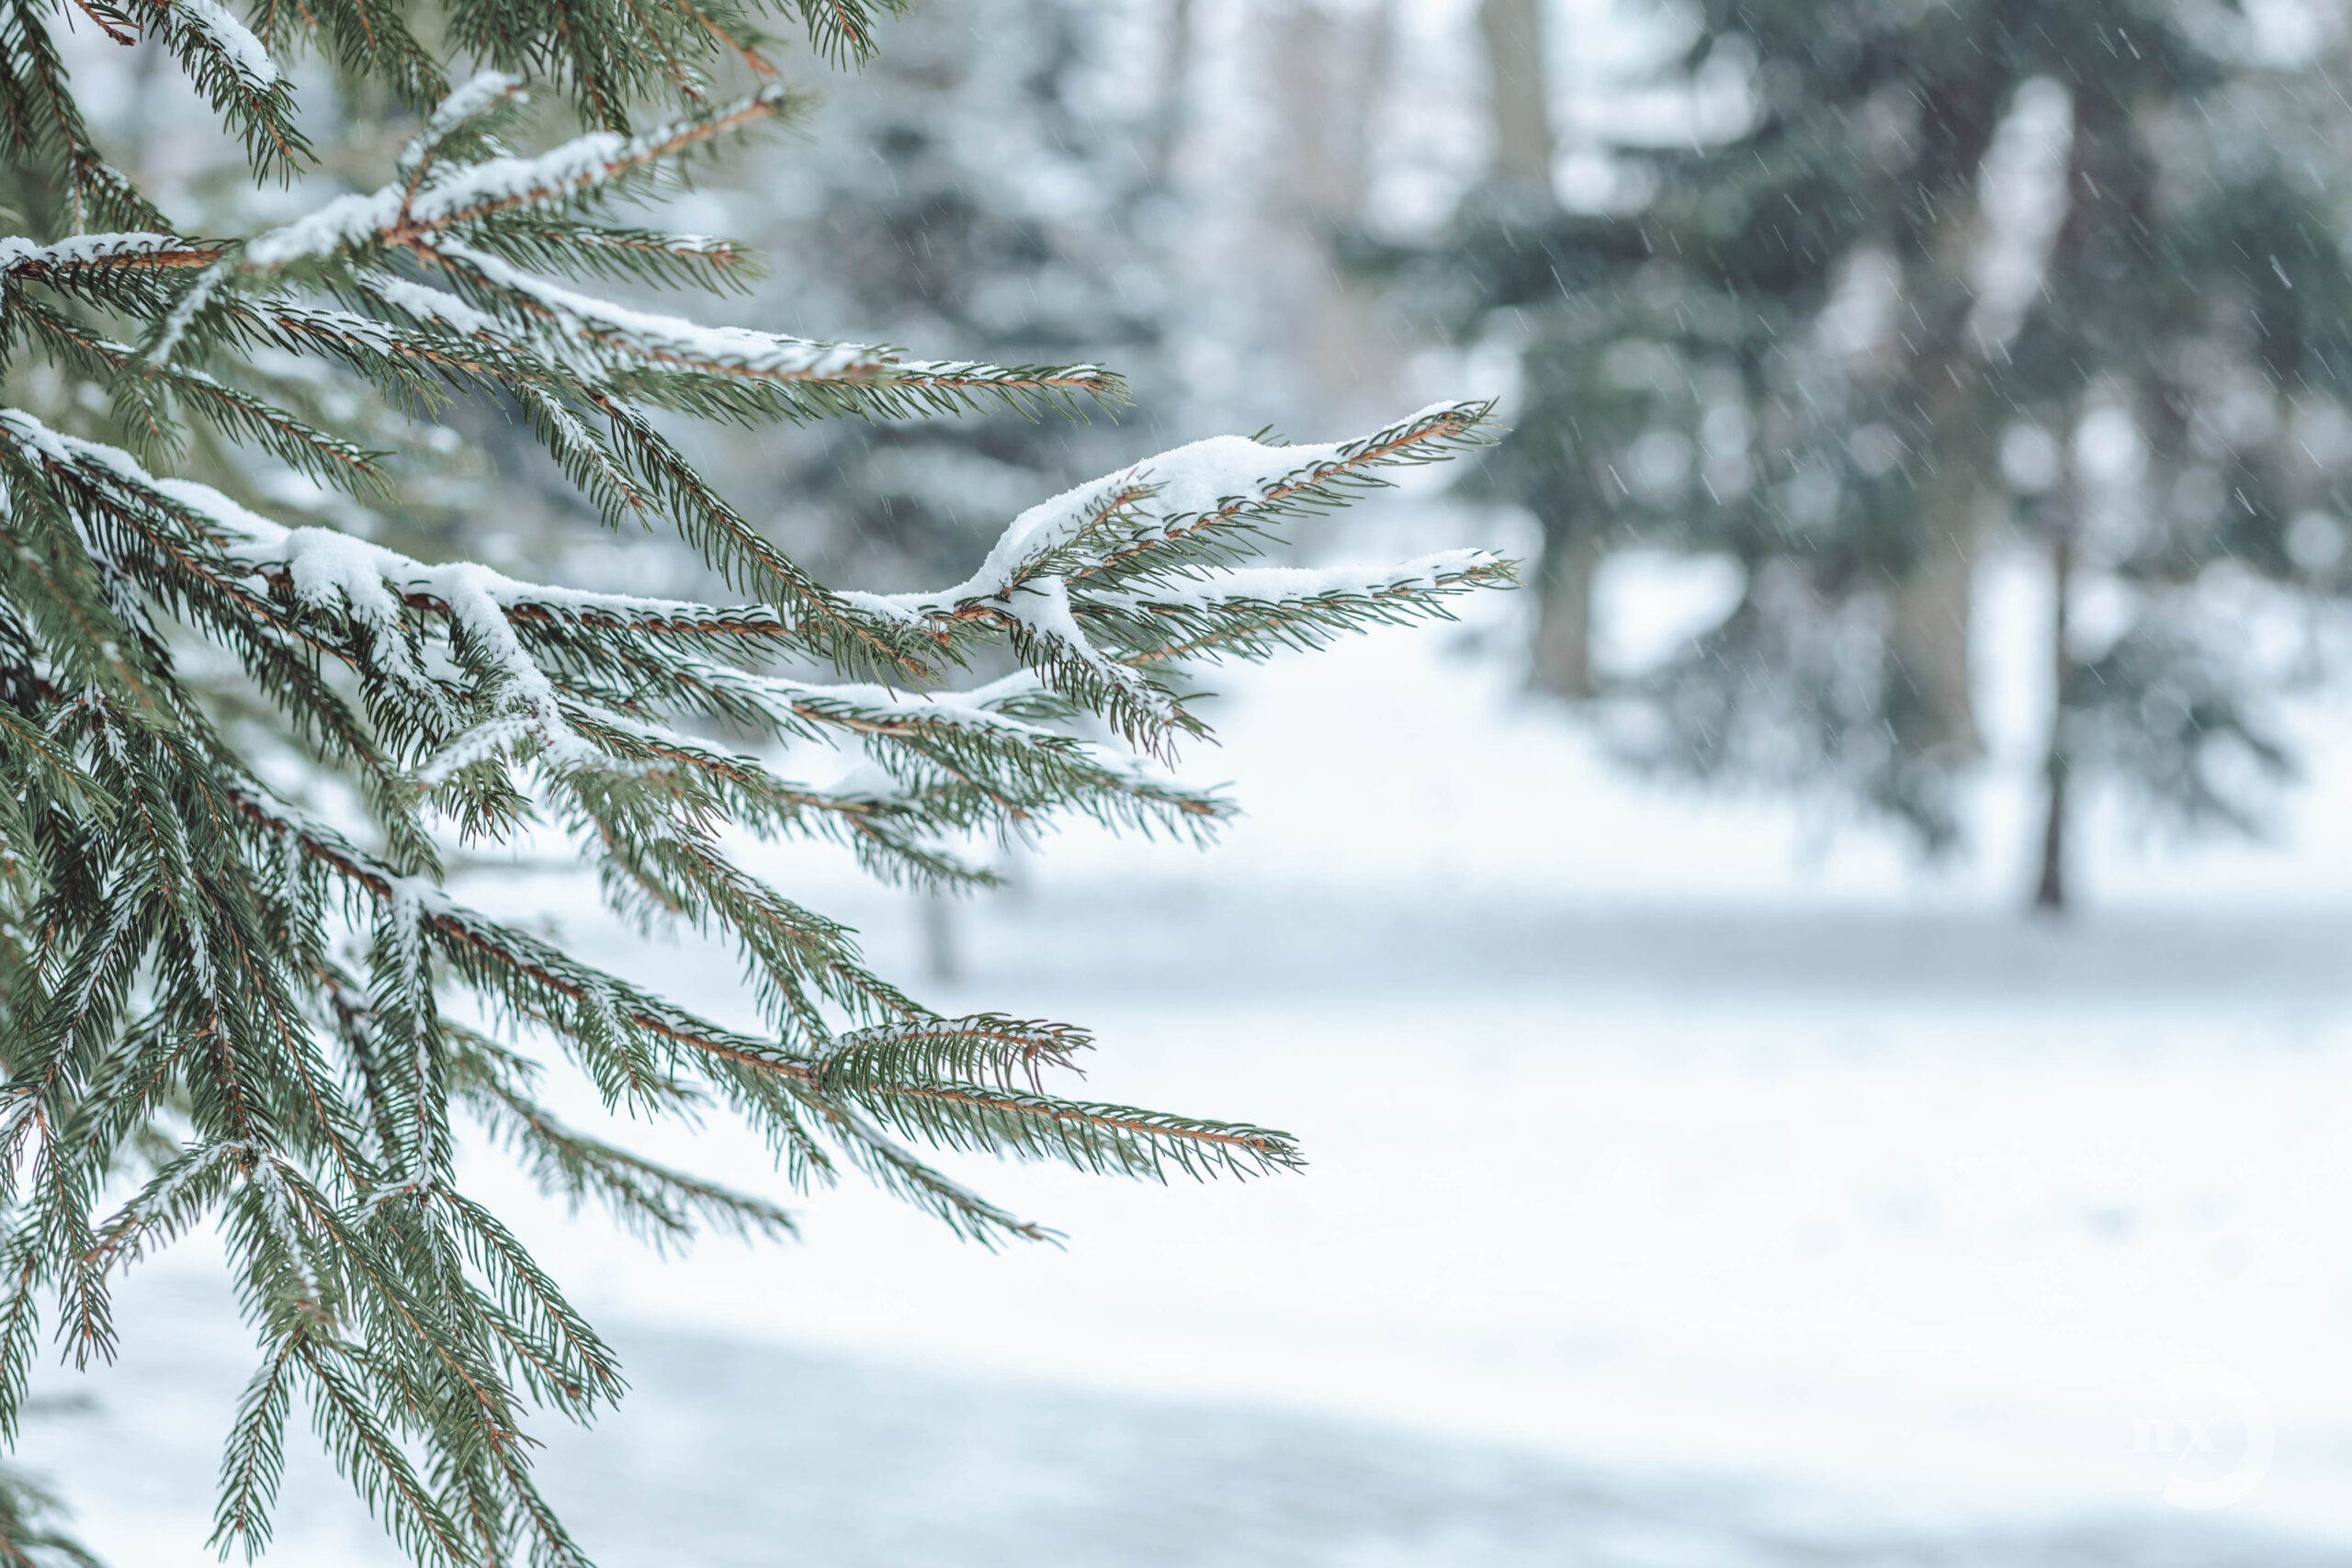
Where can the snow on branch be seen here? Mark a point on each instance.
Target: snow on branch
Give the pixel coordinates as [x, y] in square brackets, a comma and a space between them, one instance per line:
[1069, 565]
[649, 335]
[467, 103]
[563, 351]
[326, 567]
[320, 563]
[70, 259]
[542, 659]
[1220, 480]
[404, 215]
[230, 40]
[224, 60]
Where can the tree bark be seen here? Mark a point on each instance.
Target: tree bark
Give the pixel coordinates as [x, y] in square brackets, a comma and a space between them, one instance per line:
[1175, 80]
[2049, 891]
[1938, 226]
[1513, 31]
[1931, 610]
[1331, 74]
[2112, 184]
[1563, 654]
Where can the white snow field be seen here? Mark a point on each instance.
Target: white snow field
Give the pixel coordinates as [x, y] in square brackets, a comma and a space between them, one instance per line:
[1679, 1196]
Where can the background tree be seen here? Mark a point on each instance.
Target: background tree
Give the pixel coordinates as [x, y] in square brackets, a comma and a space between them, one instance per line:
[235, 991]
[977, 190]
[1808, 347]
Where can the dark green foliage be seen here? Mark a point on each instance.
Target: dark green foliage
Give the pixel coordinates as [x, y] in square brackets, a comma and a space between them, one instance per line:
[2196, 273]
[29, 1532]
[2165, 707]
[251, 1006]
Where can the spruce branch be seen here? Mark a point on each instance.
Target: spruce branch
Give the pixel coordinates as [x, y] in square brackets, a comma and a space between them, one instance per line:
[252, 1018]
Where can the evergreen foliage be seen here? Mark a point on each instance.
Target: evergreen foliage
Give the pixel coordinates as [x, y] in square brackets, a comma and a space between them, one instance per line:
[233, 989]
[31, 1536]
[1792, 353]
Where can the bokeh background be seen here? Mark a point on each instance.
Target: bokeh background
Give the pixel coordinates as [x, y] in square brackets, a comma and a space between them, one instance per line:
[1822, 1024]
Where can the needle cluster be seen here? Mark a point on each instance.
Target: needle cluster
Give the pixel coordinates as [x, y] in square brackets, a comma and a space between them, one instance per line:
[232, 1001]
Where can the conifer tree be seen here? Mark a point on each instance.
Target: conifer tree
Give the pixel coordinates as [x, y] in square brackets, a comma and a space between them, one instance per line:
[1790, 354]
[234, 991]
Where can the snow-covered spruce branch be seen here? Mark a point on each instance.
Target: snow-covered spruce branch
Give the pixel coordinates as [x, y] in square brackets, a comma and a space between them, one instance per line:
[83, 259]
[732, 373]
[444, 215]
[508, 621]
[554, 640]
[239, 414]
[1064, 579]
[1172, 509]
[457, 218]
[242, 1015]
[224, 62]
[532, 652]
[410, 214]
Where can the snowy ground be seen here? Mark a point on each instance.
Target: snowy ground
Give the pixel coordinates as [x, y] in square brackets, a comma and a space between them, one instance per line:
[1678, 1198]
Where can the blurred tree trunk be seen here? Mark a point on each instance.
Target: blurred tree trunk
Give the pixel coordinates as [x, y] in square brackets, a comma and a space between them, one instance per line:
[1327, 71]
[2049, 888]
[1513, 33]
[1519, 106]
[1331, 72]
[1562, 664]
[1928, 643]
[1175, 80]
[2103, 243]
[1936, 236]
